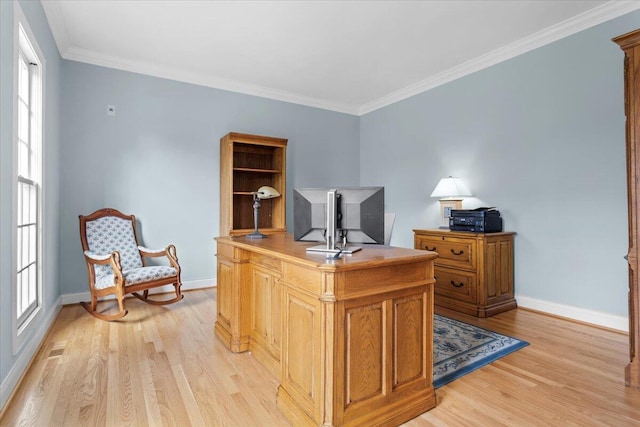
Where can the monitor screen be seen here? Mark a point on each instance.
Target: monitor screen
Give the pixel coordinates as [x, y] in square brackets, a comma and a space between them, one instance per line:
[360, 214]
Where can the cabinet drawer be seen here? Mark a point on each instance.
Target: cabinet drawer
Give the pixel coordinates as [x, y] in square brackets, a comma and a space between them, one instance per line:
[451, 251]
[460, 285]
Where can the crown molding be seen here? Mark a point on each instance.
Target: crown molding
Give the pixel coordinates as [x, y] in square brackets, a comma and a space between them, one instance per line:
[151, 69]
[588, 19]
[54, 14]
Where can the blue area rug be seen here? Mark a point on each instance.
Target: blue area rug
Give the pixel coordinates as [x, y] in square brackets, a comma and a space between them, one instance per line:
[459, 348]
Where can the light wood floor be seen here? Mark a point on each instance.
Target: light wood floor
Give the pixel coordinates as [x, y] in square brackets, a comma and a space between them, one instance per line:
[163, 366]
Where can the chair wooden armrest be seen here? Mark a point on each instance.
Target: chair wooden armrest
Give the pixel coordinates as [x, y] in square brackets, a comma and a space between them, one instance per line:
[152, 252]
[169, 252]
[112, 259]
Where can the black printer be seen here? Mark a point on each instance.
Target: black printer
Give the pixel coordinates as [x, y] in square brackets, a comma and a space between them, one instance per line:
[479, 220]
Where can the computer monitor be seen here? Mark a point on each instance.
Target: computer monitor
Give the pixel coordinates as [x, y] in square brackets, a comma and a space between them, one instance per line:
[359, 215]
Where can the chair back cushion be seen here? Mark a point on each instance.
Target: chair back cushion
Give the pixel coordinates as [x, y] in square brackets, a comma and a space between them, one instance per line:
[108, 234]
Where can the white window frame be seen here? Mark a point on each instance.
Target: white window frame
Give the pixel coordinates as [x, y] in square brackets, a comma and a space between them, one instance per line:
[25, 41]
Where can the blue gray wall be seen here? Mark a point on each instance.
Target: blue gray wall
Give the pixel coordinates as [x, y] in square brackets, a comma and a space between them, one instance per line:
[11, 365]
[158, 158]
[542, 138]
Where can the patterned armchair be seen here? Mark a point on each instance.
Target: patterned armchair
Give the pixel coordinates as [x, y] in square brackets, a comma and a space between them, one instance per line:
[116, 262]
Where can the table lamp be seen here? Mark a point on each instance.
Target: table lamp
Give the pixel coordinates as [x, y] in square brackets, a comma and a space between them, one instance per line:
[264, 192]
[450, 191]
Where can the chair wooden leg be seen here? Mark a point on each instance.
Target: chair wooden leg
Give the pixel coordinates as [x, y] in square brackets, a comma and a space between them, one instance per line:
[92, 308]
[120, 298]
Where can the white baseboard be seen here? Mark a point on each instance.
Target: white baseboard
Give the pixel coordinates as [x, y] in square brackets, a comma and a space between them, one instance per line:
[31, 346]
[186, 286]
[607, 320]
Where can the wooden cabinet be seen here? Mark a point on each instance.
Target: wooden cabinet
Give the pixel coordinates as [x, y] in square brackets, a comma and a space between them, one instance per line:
[473, 271]
[247, 162]
[266, 311]
[630, 44]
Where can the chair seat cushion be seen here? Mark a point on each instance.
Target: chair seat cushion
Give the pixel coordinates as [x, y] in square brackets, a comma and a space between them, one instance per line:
[138, 275]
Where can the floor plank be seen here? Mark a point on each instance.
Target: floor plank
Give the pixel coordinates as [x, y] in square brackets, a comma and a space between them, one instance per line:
[163, 366]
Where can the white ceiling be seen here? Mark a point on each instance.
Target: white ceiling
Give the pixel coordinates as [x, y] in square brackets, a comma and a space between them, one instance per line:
[347, 56]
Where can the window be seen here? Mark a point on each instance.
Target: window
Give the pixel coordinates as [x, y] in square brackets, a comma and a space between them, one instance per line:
[28, 190]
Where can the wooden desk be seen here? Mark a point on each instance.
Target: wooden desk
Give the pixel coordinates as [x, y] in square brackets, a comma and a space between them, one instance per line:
[350, 340]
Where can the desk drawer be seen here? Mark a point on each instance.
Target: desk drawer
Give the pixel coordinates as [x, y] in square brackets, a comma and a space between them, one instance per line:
[460, 285]
[272, 264]
[451, 251]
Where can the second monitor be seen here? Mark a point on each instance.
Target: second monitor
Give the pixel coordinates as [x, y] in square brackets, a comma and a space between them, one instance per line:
[340, 217]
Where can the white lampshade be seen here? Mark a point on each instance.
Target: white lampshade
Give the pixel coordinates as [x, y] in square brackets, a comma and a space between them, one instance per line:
[450, 188]
[266, 192]
[450, 191]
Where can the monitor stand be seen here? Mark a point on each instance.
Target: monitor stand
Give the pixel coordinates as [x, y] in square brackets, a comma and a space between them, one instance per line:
[330, 232]
[323, 248]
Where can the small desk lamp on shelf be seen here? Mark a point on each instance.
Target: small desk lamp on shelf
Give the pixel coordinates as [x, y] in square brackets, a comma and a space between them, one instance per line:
[450, 191]
[264, 192]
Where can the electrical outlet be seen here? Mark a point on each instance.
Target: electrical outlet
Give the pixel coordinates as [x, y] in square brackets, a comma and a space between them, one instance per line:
[111, 110]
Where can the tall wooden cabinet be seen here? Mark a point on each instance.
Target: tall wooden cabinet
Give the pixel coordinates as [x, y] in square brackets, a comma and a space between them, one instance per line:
[630, 44]
[247, 162]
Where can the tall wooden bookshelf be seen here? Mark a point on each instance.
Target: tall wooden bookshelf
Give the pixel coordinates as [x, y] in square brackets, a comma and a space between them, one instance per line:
[247, 162]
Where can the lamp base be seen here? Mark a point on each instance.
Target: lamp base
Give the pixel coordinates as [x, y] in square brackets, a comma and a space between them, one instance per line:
[446, 205]
[256, 209]
[256, 235]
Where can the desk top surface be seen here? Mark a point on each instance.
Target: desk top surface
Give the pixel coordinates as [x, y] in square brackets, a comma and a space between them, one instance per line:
[285, 247]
